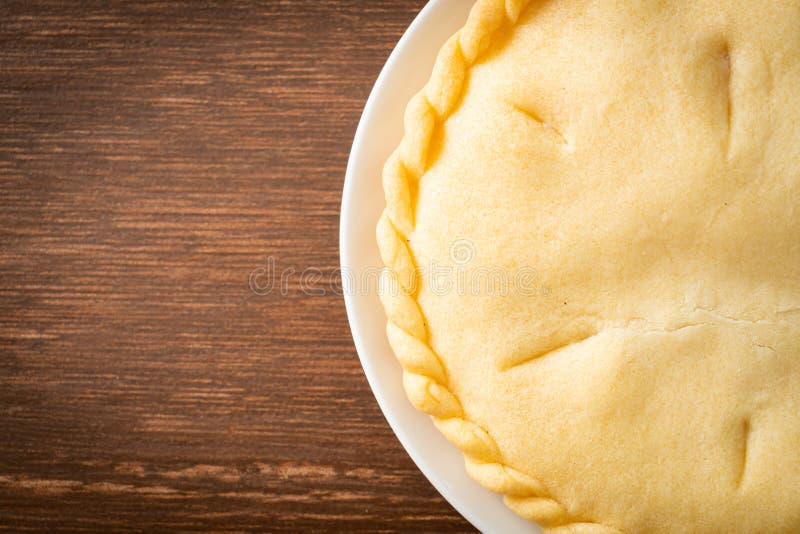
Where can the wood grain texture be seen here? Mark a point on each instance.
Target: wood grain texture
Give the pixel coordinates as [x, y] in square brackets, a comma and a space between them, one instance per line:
[152, 156]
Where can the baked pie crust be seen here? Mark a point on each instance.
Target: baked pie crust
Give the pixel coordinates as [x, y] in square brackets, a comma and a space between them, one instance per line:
[640, 163]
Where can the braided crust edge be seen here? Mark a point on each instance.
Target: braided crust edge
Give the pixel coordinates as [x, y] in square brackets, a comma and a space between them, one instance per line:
[424, 376]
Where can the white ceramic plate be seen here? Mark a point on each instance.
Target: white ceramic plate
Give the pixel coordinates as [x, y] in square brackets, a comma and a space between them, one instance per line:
[379, 132]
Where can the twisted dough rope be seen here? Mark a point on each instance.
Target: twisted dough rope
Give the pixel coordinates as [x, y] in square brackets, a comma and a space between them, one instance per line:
[424, 376]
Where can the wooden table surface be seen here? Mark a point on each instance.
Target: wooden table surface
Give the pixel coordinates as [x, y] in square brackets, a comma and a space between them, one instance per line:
[153, 157]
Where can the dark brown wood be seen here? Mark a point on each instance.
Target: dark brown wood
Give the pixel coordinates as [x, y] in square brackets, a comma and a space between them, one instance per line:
[152, 156]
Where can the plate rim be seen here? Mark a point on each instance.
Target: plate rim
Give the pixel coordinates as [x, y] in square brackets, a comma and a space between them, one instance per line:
[489, 518]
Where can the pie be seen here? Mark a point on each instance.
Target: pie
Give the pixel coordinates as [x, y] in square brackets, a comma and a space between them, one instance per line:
[592, 237]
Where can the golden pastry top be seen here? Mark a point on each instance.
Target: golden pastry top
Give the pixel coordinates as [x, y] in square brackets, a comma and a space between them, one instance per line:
[642, 160]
